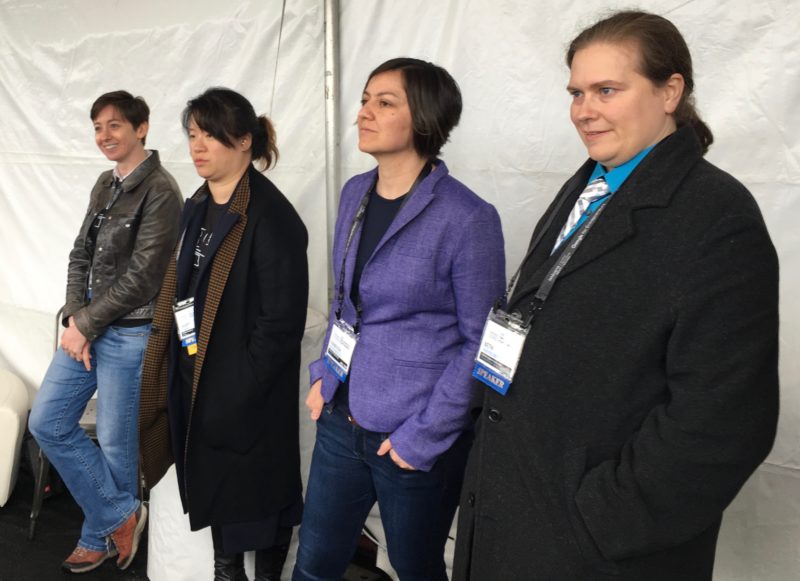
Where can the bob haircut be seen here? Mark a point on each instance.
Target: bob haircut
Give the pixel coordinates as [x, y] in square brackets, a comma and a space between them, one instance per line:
[434, 99]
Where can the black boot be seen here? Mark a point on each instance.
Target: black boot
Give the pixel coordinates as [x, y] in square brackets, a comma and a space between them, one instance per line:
[229, 567]
[269, 562]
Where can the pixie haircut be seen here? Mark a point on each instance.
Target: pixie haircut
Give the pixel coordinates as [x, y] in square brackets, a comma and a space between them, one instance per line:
[133, 109]
[433, 98]
[228, 116]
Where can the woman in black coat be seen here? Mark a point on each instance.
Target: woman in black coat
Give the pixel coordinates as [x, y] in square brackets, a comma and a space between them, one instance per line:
[647, 389]
[226, 367]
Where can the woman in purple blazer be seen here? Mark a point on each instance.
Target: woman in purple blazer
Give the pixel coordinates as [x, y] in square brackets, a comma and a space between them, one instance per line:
[418, 260]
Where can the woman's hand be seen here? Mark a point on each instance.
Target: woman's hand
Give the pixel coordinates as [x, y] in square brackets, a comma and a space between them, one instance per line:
[386, 446]
[75, 344]
[315, 401]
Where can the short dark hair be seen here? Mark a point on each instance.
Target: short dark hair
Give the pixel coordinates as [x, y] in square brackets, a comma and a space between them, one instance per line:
[662, 51]
[433, 97]
[228, 116]
[133, 109]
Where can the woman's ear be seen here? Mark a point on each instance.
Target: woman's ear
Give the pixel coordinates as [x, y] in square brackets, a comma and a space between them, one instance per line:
[141, 131]
[673, 91]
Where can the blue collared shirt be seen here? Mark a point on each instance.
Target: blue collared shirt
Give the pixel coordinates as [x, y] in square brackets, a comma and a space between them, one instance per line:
[614, 178]
[617, 176]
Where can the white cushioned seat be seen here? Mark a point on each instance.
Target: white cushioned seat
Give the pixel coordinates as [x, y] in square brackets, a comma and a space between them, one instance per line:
[13, 419]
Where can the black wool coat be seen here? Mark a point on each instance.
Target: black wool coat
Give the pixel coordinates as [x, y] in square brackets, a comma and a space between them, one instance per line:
[647, 391]
[238, 459]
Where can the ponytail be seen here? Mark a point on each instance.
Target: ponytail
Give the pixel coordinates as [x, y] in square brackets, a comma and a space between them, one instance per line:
[265, 147]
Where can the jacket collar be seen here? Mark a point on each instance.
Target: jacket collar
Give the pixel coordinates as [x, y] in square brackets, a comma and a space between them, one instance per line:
[192, 219]
[419, 199]
[138, 175]
[652, 185]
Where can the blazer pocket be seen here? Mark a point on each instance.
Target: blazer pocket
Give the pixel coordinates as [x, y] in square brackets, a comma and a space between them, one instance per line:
[414, 251]
[421, 374]
[575, 465]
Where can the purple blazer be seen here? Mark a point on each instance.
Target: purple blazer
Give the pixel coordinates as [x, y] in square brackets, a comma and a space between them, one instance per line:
[426, 292]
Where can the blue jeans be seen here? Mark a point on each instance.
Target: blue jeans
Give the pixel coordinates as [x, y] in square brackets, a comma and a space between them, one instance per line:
[347, 477]
[104, 481]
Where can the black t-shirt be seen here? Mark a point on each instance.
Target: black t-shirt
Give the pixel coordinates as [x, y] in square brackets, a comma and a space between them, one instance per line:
[186, 366]
[379, 216]
[213, 213]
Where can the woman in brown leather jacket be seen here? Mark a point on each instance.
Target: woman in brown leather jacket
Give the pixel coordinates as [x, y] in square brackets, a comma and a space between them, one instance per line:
[115, 270]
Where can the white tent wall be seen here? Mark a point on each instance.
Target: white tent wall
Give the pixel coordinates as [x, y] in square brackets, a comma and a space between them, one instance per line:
[56, 57]
[514, 146]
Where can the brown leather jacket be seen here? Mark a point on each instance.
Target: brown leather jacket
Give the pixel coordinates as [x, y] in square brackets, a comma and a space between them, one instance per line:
[131, 252]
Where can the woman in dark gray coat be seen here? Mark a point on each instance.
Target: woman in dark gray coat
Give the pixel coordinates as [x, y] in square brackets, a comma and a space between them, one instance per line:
[647, 390]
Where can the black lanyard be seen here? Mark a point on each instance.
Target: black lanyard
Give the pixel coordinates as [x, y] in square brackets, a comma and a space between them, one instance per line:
[357, 219]
[572, 245]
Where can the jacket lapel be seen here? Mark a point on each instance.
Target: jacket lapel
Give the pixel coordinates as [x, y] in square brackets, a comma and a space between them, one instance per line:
[540, 260]
[191, 221]
[651, 185]
[232, 224]
[419, 200]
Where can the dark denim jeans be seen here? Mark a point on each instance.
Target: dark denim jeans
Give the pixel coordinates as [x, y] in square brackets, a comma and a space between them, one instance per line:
[347, 478]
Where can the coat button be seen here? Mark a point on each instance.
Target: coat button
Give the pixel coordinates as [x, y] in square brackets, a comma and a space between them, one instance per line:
[495, 415]
[471, 499]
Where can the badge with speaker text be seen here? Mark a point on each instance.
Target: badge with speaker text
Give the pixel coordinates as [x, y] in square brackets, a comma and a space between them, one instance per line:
[500, 350]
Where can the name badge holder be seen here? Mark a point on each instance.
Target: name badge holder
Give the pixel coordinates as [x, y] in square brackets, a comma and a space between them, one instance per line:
[344, 338]
[184, 322]
[341, 345]
[504, 333]
[500, 350]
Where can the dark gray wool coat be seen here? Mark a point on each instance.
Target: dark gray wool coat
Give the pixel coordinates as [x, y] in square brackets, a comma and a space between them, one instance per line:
[647, 392]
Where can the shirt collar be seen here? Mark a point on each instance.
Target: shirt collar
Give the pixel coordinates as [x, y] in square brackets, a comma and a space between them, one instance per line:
[617, 176]
[117, 175]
